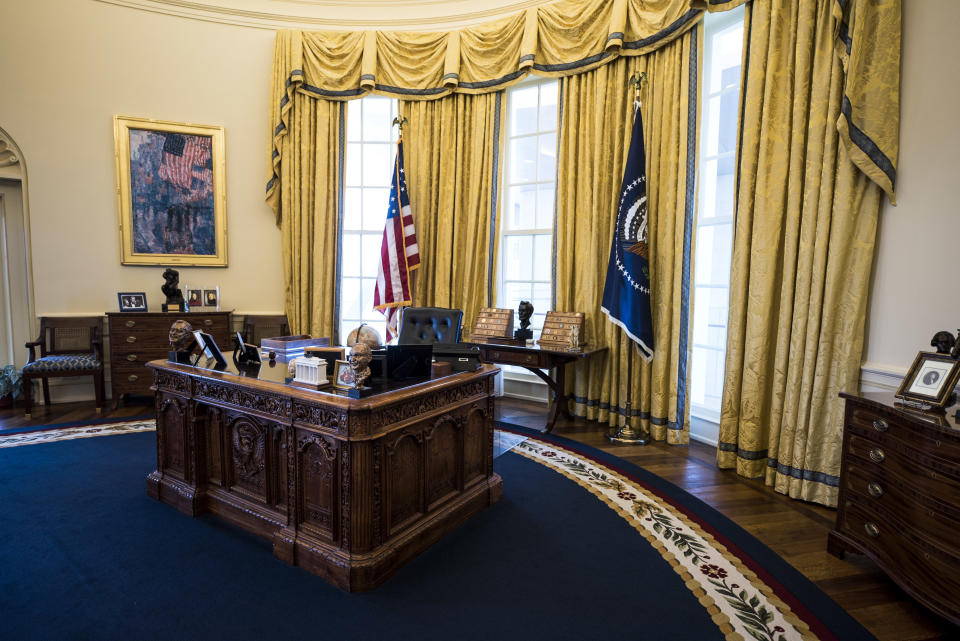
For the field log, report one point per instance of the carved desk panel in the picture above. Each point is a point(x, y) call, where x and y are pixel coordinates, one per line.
point(349, 489)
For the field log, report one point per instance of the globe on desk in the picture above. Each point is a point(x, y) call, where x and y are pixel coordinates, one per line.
point(364, 334)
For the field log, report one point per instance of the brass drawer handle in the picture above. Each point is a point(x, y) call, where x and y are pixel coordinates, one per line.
point(207, 322)
point(872, 529)
point(131, 357)
point(131, 339)
point(877, 455)
point(875, 490)
point(880, 425)
point(131, 323)
point(529, 358)
point(132, 377)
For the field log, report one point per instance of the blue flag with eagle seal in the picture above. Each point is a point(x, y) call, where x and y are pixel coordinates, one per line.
point(626, 292)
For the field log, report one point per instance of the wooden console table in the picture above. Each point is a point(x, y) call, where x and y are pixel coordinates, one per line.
point(536, 360)
point(139, 337)
point(348, 489)
point(899, 501)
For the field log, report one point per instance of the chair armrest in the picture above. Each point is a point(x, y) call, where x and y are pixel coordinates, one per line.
point(31, 346)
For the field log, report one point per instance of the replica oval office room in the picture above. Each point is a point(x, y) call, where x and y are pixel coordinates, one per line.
point(479, 319)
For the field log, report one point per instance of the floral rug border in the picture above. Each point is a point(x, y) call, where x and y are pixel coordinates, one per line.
point(70, 433)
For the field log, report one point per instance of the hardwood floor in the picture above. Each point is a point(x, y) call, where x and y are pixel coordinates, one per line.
point(795, 530)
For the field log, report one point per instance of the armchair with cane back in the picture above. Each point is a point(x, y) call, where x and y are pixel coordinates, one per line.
point(69, 346)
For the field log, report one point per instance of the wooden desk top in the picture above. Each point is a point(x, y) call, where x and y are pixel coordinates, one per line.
point(585, 352)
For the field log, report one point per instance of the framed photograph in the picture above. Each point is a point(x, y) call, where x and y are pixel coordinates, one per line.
point(211, 298)
point(172, 193)
point(132, 301)
point(931, 379)
point(343, 376)
point(194, 298)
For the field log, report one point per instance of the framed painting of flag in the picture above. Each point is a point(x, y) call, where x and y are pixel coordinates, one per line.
point(171, 193)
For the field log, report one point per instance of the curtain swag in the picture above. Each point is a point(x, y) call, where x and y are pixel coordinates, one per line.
point(554, 39)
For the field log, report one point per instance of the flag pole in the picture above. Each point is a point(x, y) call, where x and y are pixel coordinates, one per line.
point(625, 433)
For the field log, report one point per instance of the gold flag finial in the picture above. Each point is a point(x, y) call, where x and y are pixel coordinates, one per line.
point(400, 121)
point(636, 81)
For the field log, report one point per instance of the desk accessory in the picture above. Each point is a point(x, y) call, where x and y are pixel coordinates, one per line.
point(524, 312)
point(209, 348)
point(562, 330)
point(310, 373)
point(492, 322)
point(171, 289)
point(245, 354)
point(182, 342)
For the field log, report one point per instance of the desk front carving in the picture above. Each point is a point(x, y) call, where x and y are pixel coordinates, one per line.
point(349, 489)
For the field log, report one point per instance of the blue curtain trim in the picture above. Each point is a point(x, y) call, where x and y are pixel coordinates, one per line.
point(317, 91)
point(867, 145)
point(566, 66)
point(782, 468)
point(676, 25)
point(621, 411)
point(690, 199)
point(494, 195)
point(496, 81)
point(282, 126)
point(341, 153)
point(556, 181)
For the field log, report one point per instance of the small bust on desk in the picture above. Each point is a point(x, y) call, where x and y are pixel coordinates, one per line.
point(360, 357)
point(181, 341)
point(524, 312)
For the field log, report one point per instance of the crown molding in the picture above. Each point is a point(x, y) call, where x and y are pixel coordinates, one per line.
point(273, 20)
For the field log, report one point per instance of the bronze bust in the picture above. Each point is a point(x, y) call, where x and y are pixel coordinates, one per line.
point(171, 288)
point(181, 336)
point(360, 357)
point(943, 342)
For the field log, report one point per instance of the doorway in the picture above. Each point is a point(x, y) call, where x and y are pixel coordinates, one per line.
point(16, 300)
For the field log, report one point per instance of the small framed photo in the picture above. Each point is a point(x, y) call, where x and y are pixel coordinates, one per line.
point(931, 379)
point(211, 299)
point(343, 376)
point(195, 298)
point(132, 301)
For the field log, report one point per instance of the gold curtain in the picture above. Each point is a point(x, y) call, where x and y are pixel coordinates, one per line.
point(597, 114)
point(804, 242)
point(451, 155)
point(308, 197)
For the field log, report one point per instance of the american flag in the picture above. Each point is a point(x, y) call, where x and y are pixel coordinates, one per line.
point(185, 157)
point(399, 253)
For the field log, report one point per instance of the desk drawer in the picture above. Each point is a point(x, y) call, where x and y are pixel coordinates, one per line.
point(517, 358)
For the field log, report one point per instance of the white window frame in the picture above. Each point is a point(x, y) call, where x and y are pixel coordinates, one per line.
point(517, 373)
point(713, 24)
point(373, 318)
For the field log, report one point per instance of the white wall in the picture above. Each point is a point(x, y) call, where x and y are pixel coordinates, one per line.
point(68, 67)
point(916, 283)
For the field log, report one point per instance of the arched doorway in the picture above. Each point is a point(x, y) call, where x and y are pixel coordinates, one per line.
point(16, 272)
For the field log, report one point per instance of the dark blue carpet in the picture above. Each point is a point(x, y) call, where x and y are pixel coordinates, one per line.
point(85, 554)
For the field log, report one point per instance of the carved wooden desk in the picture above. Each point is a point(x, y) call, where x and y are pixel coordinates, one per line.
point(349, 489)
point(536, 359)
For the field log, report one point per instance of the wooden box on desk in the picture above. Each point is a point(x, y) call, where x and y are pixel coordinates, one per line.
point(562, 330)
point(492, 321)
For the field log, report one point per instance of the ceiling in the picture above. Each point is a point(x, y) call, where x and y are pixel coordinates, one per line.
point(335, 14)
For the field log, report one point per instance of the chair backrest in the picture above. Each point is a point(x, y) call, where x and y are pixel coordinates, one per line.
point(71, 334)
point(421, 325)
point(256, 328)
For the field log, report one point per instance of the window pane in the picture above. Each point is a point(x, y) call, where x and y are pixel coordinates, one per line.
point(725, 70)
point(710, 316)
point(377, 160)
point(376, 119)
point(375, 208)
point(371, 255)
point(516, 292)
point(542, 256)
point(352, 176)
point(523, 111)
point(517, 251)
point(350, 298)
point(350, 255)
point(369, 313)
point(728, 116)
point(354, 120)
point(541, 297)
point(545, 206)
point(523, 160)
point(352, 205)
point(521, 207)
point(548, 157)
point(713, 254)
point(548, 106)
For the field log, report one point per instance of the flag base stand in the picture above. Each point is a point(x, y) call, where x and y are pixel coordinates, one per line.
point(626, 434)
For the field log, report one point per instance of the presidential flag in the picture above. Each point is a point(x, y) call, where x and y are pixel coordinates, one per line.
point(399, 254)
point(626, 293)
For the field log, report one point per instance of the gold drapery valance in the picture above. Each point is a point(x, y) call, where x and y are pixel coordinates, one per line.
point(555, 39)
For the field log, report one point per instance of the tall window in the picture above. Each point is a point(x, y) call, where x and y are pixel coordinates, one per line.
point(723, 36)
point(529, 188)
point(371, 147)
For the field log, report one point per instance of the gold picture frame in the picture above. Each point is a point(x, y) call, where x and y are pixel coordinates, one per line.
point(171, 193)
point(930, 380)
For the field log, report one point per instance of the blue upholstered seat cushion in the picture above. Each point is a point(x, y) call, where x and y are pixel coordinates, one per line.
point(62, 363)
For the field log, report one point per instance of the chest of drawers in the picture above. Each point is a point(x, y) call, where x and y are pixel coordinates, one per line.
point(139, 337)
point(899, 499)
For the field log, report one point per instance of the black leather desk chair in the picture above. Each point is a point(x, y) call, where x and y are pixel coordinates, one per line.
point(425, 325)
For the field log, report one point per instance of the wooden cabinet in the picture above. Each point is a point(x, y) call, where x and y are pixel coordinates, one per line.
point(138, 337)
point(899, 500)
